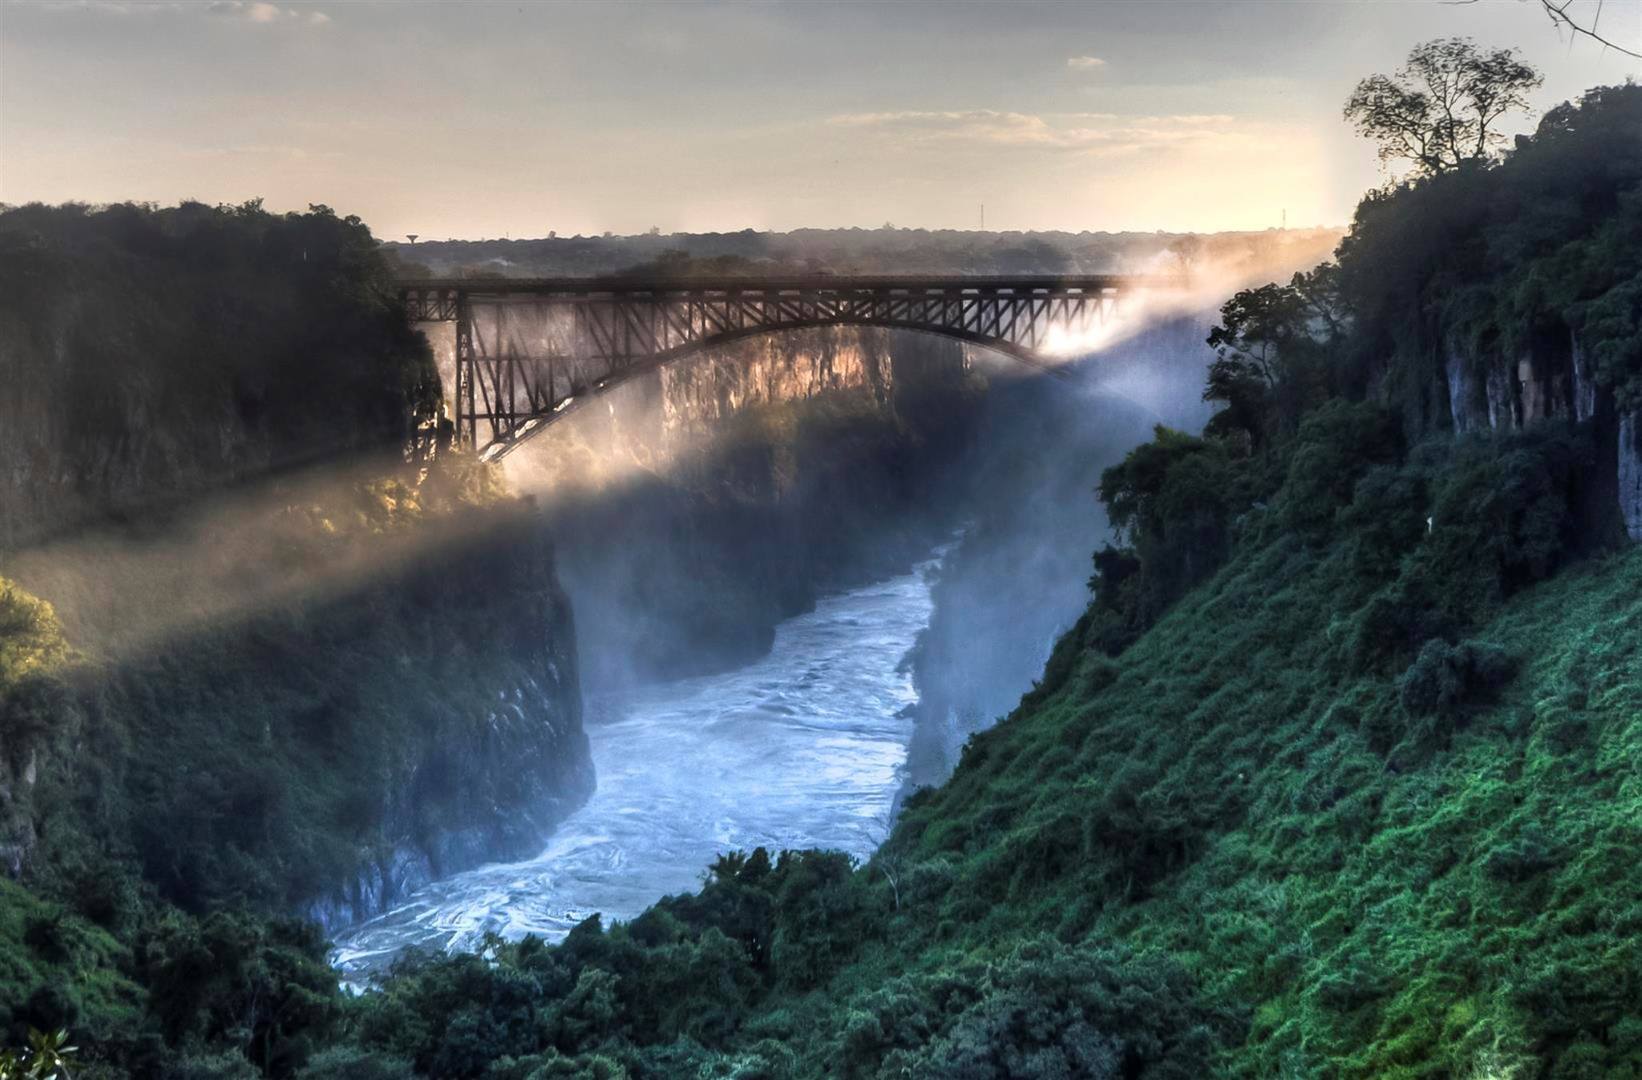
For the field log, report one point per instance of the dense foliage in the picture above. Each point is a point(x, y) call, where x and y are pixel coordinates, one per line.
point(280, 335)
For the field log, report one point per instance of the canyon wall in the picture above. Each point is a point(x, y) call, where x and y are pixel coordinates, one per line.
point(1550, 377)
point(293, 669)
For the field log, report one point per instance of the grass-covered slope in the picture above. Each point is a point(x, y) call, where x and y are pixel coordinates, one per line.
point(1430, 873)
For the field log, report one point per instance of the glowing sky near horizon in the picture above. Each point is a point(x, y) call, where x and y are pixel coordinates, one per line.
point(513, 119)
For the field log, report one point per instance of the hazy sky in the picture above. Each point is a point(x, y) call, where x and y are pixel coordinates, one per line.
point(481, 120)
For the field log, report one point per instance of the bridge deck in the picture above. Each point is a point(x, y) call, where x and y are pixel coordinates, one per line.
point(921, 283)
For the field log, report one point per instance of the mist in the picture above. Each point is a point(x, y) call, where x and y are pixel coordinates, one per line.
point(695, 509)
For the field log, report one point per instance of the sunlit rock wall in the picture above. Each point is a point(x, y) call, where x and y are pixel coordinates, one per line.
point(662, 424)
point(775, 368)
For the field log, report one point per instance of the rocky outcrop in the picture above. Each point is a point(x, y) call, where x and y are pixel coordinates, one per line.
point(1586, 393)
point(1551, 378)
point(1489, 389)
point(1630, 473)
point(498, 756)
point(522, 773)
point(1484, 390)
point(1463, 391)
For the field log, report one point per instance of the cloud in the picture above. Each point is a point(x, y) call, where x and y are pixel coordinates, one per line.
point(262, 150)
point(1085, 63)
point(1186, 118)
point(1100, 134)
point(113, 7)
point(260, 11)
point(978, 125)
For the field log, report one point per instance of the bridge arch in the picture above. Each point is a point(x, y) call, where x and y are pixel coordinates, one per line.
point(531, 351)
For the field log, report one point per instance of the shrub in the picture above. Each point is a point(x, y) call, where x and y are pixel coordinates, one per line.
point(352, 1063)
point(1045, 1010)
point(1444, 679)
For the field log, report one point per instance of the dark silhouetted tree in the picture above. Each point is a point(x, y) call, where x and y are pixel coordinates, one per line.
point(1441, 108)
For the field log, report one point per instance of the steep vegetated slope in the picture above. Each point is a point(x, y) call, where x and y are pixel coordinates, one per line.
point(280, 690)
point(1334, 778)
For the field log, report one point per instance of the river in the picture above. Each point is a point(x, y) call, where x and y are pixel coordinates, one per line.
point(802, 749)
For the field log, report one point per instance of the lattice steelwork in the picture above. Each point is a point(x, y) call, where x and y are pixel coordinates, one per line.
point(529, 350)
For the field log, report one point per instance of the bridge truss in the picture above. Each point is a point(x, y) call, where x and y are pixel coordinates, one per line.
point(530, 350)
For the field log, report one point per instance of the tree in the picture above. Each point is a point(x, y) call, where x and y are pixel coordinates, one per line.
point(1270, 346)
point(1256, 326)
point(1440, 109)
point(1186, 251)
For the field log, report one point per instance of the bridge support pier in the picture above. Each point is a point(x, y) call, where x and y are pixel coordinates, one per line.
point(466, 434)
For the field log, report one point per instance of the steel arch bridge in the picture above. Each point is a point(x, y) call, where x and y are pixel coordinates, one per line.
point(530, 350)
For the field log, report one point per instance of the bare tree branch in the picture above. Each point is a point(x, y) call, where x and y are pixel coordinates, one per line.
point(1561, 18)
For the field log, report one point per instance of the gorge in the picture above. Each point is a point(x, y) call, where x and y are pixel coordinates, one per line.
point(769, 717)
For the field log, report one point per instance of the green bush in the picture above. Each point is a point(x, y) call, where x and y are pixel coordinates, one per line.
point(1445, 678)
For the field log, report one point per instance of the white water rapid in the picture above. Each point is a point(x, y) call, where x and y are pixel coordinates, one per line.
point(802, 749)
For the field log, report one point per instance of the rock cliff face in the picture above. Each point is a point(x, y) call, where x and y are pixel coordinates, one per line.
point(779, 368)
point(1489, 388)
point(312, 676)
point(1630, 474)
point(675, 421)
point(319, 752)
point(1550, 379)
point(484, 777)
